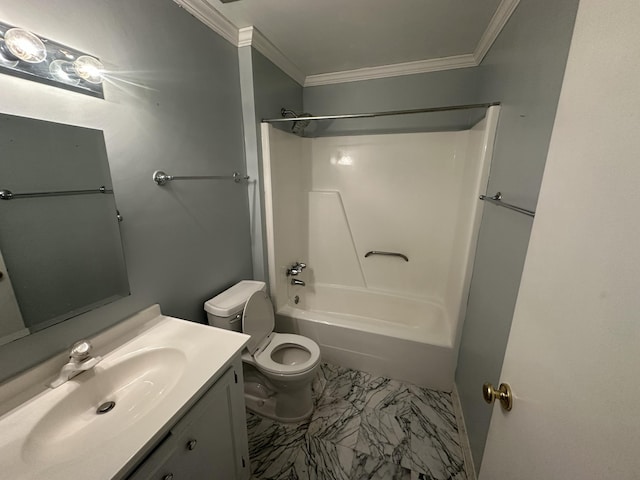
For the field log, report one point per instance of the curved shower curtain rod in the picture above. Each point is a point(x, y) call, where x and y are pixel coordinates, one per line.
point(387, 113)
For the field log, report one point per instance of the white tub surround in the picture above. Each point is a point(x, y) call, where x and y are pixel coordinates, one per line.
point(331, 200)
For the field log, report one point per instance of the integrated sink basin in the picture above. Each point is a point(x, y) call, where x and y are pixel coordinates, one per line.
point(95, 425)
point(131, 387)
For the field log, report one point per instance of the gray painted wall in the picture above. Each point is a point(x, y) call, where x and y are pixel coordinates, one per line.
point(265, 90)
point(274, 89)
point(174, 105)
point(253, 162)
point(452, 87)
point(523, 71)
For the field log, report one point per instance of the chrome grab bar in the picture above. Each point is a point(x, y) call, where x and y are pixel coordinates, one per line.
point(389, 254)
point(497, 200)
point(9, 195)
point(162, 178)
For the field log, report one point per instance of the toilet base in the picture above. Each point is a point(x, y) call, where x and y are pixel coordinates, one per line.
point(266, 407)
point(287, 405)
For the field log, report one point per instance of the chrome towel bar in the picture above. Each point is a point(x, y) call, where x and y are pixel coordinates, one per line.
point(497, 200)
point(389, 254)
point(9, 195)
point(162, 178)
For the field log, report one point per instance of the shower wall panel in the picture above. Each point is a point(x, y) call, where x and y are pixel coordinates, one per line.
point(335, 258)
point(396, 192)
point(473, 182)
point(287, 176)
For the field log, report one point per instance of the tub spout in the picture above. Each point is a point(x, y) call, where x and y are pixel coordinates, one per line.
point(295, 281)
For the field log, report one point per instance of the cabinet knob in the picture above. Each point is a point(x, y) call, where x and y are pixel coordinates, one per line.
point(168, 476)
point(192, 444)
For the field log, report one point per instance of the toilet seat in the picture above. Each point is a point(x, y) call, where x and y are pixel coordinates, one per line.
point(258, 320)
point(265, 361)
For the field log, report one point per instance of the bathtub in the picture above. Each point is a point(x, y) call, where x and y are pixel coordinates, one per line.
point(399, 337)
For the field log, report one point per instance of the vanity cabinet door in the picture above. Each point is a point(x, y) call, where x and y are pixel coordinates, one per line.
point(207, 443)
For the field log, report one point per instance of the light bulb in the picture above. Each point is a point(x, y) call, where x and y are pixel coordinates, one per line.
point(89, 69)
point(6, 58)
point(24, 45)
point(63, 71)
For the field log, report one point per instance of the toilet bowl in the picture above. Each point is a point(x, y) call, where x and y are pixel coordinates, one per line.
point(278, 367)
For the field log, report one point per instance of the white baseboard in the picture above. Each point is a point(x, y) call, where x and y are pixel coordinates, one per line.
point(464, 438)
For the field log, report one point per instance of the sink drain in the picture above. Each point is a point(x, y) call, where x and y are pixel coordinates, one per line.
point(105, 407)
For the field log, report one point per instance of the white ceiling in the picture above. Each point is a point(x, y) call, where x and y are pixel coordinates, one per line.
point(320, 37)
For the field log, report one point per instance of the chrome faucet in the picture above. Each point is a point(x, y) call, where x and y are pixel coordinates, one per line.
point(296, 269)
point(295, 281)
point(80, 359)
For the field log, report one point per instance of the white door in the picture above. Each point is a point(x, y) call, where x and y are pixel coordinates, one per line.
point(573, 358)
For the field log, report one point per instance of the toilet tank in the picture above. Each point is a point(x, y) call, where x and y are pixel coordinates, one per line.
point(225, 309)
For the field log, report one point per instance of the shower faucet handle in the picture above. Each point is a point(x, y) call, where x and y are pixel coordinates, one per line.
point(296, 269)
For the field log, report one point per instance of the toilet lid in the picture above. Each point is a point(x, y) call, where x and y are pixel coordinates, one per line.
point(257, 319)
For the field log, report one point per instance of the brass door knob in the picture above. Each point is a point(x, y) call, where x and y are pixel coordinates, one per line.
point(503, 394)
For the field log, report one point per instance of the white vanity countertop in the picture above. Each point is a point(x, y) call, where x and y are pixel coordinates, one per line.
point(152, 371)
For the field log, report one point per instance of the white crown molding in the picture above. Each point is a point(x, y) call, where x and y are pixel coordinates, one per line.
point(203, 11)
point(245, 36)
point(395, 70)
point(252, 36)
point(497, 23)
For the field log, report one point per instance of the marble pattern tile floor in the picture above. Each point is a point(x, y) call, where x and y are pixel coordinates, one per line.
point(363, 427)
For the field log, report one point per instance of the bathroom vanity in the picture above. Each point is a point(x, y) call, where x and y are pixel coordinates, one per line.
point(164, 402)
point(209, 441)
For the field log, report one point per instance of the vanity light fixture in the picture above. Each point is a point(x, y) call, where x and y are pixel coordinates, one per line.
point(30, 56)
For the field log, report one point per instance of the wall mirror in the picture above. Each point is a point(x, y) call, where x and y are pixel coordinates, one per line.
point(60, 247)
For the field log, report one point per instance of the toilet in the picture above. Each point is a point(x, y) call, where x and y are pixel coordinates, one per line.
point(278, 367)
